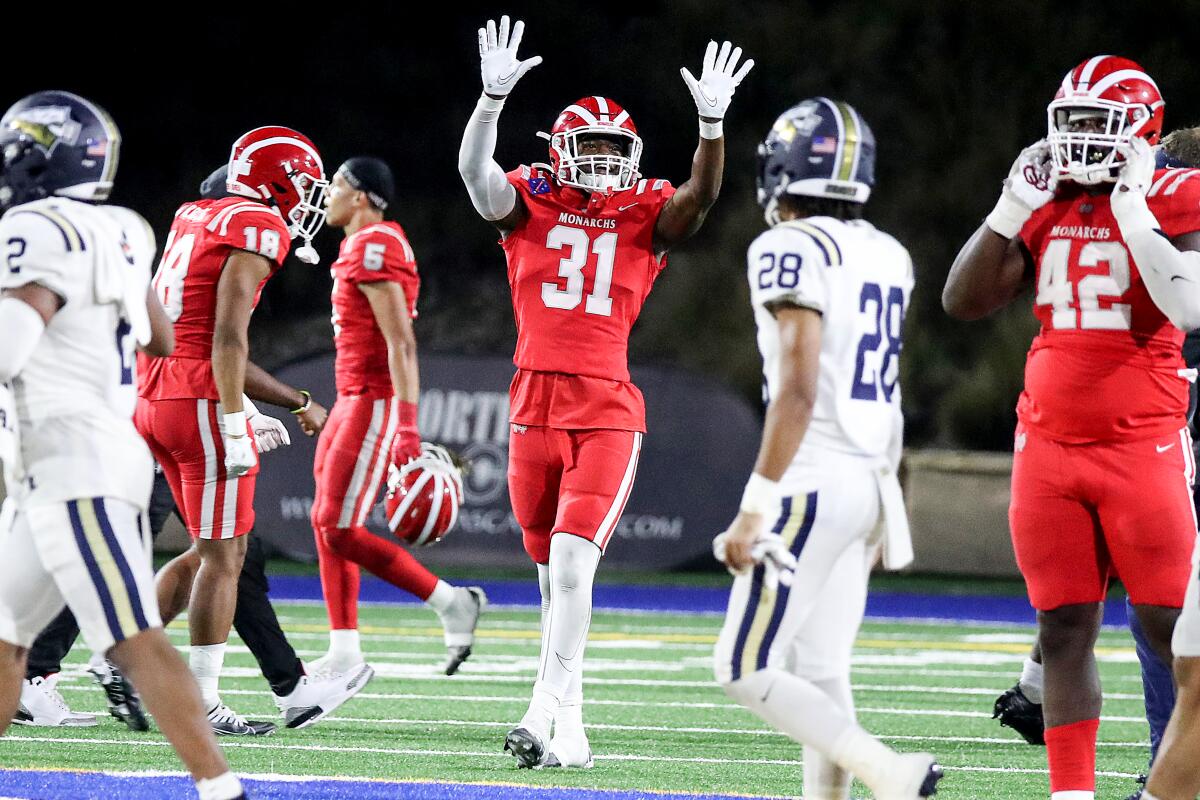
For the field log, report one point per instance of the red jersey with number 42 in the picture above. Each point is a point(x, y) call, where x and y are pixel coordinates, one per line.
point(202, 237)
point(378, 252)
point(580, 268)
point(1106, 365)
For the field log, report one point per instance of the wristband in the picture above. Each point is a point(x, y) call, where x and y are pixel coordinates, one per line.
point(1008, 217)
point(235, 422)
point(408, 414)
point(307, 402)
point(761, 495)
point(489, 107)
point(710, 130)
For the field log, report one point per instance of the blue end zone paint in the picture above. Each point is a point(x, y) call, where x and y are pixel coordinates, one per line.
point(695, 599)
point(38, 785)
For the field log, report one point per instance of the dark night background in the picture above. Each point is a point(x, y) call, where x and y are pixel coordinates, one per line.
point(952, 90)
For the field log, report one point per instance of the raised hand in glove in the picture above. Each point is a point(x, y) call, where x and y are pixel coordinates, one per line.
point(498, 60)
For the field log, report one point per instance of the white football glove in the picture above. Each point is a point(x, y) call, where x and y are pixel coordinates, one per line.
point(1030, 184)
point(714, 91)
point(269, 433)
point(768, 549)
point(239, 455)
point(498, 60)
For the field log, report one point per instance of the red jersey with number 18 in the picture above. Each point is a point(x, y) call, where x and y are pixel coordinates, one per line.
point(580, 268)
point(202, 236)
point(378, 252)
point(1106, 365)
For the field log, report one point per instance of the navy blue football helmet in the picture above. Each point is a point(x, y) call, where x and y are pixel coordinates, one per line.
point(818, 148)
point(57, 143)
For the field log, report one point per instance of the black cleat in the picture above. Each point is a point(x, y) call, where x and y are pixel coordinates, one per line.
point(123, 701)
point(225, 722)
point(1141, 781)
point(527, 747)
point(455, 657)
point(1016, 711)
point(929, 787)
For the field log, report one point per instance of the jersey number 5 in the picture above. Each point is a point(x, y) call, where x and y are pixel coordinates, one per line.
point(1078, 306)
point(570, 268)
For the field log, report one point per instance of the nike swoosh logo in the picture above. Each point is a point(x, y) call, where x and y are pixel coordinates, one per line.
point(710, 99)
point(1180, 278)
point(1163, 449)
point(563, 662)
point(626, 208)
point(507, 77)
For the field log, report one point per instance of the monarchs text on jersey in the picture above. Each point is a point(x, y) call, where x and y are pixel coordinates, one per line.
point(1106, 364)
point(202, 237)
point(859, 279)
point(580, 268)
point(378, 252)
point(74, 398)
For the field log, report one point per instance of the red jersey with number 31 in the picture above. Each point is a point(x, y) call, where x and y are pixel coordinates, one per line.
point(580, 268)
point(1106, 365)
point(202, 237)
point(378, 252)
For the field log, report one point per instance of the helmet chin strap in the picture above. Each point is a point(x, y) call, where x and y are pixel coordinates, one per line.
point(308, 254)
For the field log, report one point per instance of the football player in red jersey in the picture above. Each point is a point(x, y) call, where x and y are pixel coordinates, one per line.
point(217, 258)
point(374, 420)
point(1103, 459)
point(585, 236)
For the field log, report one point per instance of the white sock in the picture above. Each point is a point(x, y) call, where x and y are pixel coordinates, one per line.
point(572, 568)
point(823, 778)
point(1031, 682)
point(442, 597)
point(222, 787)
point(1147, 796)
point(345, 641)
point(1079, 794)
point(205, 661)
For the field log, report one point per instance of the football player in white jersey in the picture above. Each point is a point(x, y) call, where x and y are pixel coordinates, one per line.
point(830, 293)
point(74, 304)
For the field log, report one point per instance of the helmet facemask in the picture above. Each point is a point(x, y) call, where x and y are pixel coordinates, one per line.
point(306, 217)
point(607, 172)
point(1090, 157)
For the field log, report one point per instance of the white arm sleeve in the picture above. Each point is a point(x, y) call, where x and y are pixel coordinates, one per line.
point(1172, 276)
point(491, 193)
point(20, 327)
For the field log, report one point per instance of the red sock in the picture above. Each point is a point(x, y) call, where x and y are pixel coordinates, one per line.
point(339, 583)
point(385, 559)
point(1071, 751)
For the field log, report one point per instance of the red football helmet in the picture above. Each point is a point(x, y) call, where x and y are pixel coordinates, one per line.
point(594, 117)
point(1119, 100)
point(424, 496)
point(281, 166)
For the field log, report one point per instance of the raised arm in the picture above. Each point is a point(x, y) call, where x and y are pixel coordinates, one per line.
point(991, 269)
point(492, 195)
point(1170, 268)
point(684, 213)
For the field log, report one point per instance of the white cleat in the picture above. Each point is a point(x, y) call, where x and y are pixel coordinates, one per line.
point(527, 746)
point(569, 751)
point(41, 706)
point(915, 777)
point(459, 623)
point(335, 663)
point(317, 696)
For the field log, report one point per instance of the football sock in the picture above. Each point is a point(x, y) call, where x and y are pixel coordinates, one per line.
point(340, 579)
point(823, 778)
point(345, 641)
point(1147, 796)
point(442, 597)
point(1071, 753)
point(222, 787)
point(382, 558)
point(572, 568)
point(205, 662)
point(1031, 680)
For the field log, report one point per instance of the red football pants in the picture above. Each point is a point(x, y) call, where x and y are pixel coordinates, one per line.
point(185, 438)
point(1081, 514)
point(569, 481)
point(349, 468)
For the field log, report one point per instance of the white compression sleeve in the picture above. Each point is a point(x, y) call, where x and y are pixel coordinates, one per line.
point(1172, 276)
point(491, 193)
point(20, 328)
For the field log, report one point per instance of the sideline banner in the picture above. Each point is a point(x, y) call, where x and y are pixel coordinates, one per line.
point(701, 442)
